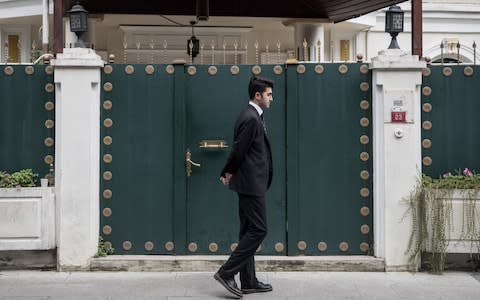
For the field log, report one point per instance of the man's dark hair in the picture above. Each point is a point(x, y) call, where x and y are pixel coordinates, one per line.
point(258, 85)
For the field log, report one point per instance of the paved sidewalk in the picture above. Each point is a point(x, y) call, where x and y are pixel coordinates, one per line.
point(201, 285)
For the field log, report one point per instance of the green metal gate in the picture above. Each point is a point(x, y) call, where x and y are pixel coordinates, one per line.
point(155, 116)
point(450, 130)
point(27, 116)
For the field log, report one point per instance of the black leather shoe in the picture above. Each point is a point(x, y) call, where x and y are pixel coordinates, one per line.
point(230, 285)
point(260, 287)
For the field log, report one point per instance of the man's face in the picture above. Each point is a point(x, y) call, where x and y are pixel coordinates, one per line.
point(263, 100)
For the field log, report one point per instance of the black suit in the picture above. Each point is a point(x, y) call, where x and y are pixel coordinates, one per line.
point(250, 163)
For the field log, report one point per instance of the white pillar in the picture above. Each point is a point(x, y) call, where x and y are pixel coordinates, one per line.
point(397, 80)
point(45, 25)
point(311, 33)
point(77, 132)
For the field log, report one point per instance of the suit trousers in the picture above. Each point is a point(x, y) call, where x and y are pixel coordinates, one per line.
point(253, 229)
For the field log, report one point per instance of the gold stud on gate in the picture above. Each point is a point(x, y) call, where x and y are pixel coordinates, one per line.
point(213, 247)
point(107, 175)
point(233, 246)
point(49, 124)
point(49, 106)
point(427, 107)
point(169, 246)
point(301, 69)
point(343, 69)
point(278, 70)
point(49, 70)
point(364, 140)
point(129, 69)
point(426, 91)
point(29, 70)
point(170, 69)
point(127, 245)
point(302, 245)
point(256, 70)
point(365, 229)
point(364, 156)
point(364, 192)
point(468, 71)
point(108, 122)
point(108, 69)
point(427, 161)
point(364, 122)
point(322, 246)
point(48, 159)
point(426, 144)
point(107, 229)
point(107, 158)
point(319, 69)
point(364, 175)
point(426, 72)
point(191, 70)
point(107, 194)
point(192, 247)
point(364, 86)
point(107, 212)
point(49, 87)
point(234, 70)
point(343, 246)
point(107, 86)
point(107, 140)
point(427, 125)
point(364, 104)
point(107, 104)
point(8, 71)
point(364, 69)
point(447, 71)
point(279, 247)
point(108, 245)
point(148, 246)
point(364, 211)
point(364, 247)
point(149, 69)
point(48, 142)
point(212, 70)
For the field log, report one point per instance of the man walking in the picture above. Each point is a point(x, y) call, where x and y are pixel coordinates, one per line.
point(248, 171)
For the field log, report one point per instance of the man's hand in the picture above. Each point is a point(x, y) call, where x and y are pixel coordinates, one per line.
point(226, 179)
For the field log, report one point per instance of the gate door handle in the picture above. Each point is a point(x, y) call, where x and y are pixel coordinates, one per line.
point(189, 163)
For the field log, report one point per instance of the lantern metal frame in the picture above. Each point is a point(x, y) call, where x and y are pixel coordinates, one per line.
point(394, 20)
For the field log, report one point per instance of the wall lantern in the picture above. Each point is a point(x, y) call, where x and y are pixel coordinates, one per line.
point(78, 23)
point(193, 44)
point(394, 24)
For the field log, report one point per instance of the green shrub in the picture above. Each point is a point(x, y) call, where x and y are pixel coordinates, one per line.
point(22, 178)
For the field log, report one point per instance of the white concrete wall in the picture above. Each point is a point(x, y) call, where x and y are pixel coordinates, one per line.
point(77, 114)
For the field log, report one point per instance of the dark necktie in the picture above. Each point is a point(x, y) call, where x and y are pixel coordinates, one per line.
point(263, 122)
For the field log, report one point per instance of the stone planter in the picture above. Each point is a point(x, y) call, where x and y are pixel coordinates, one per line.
point(27, 218)
point(462, 214)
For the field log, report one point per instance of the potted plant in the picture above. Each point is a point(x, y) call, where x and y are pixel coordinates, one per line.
point(445, 217)
point(22, 178)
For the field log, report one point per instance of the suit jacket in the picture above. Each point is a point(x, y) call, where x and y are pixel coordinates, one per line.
point(250, 160)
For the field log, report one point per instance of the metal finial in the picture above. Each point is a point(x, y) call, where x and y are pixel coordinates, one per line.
point(165, 44)
point(256, 51)
point(235, 46)
point(190, 45)
point(246, 52)
point(202, 45)
point(138, 44)
point(152, 47)
point(305, 45)
point(213, 52)
point(278, 50)
point(267, 46)
point(319, 55)
point(224, 45)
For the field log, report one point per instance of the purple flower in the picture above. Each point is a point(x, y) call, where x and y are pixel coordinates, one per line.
point(467, 172)
point(447, 175)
